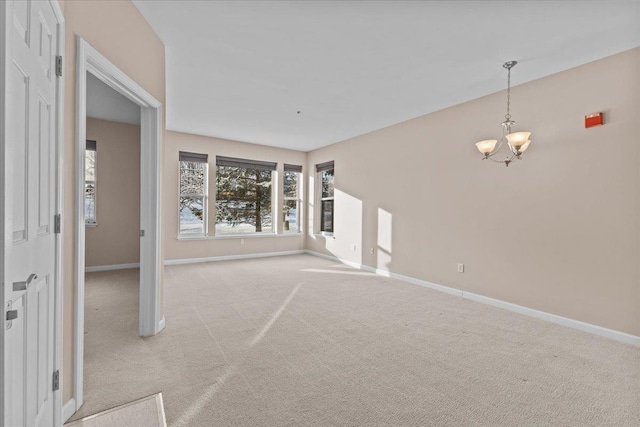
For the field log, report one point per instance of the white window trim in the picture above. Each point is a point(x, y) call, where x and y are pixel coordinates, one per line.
point(275, 201)
point(205, 202)
point(238, 236)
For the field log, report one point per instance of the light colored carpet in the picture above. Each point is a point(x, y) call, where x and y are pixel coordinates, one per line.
point(302, 340)
point(145, 412)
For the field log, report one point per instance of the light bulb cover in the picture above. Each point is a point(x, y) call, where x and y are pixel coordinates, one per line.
point(518, 139)
point(524, 146)
point(486, 146)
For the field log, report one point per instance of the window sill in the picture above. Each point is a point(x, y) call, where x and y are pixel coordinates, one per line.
point(239, 236)
point(192, 237)
point(325, 235)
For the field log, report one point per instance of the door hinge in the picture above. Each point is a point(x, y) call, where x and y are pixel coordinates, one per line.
point(141, 233)
point(56, 224)
point(56, 380)
point(59, 66)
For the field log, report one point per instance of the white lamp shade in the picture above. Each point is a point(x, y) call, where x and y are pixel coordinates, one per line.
point(524, 146)
point(518, 139)
point(486, 146)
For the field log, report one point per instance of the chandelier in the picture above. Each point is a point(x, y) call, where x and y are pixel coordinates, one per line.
point(518, 142)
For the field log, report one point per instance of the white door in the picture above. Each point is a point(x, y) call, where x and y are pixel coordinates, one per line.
point(29, 276)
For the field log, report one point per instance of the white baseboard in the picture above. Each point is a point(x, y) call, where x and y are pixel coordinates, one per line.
point(231, 257)
point(68, 409)
point(553, 318)
point(111, 267)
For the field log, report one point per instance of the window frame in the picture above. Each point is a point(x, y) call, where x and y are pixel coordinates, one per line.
point(297, 199)
point(91, 143)
point(249, 164)
point(320, 199)
point(205, 198)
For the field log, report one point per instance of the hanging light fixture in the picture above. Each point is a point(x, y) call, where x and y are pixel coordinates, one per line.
point(518, 142)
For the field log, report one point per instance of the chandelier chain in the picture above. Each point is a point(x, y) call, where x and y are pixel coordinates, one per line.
point(508, 115)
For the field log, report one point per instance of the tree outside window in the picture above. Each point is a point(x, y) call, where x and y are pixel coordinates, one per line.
point(292, 198)
point(90, 183)
point(243, 199)
point(193, 194)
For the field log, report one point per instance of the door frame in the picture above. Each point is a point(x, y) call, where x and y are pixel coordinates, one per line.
point(88, 59)
point(59, 168)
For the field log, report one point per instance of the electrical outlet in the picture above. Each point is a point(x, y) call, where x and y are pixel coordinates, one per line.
point(242, 241)
point(460, 268)
point(353, 248)
point(372, 251)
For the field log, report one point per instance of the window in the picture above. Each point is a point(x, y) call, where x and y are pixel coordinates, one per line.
point(243, 196)
point(325, 172)
point(90, 183)
point(292, 198)
point(193, 193)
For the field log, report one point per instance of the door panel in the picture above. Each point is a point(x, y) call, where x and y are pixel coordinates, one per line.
point(43, 311)
point(18, 132)
point(45, 47)
point(30, 193)
point(45, 188)
point(21, 20)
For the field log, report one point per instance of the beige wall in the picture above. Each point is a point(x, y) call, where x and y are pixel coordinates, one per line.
point(558, 231)
point(115, 239)
point(213, 247)
point(120, 32)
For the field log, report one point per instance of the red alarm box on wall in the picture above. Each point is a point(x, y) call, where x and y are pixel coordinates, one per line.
point(591, 120)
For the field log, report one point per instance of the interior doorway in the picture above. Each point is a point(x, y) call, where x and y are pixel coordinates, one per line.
point(112, 242)
point(90, 61)
point(112, 180)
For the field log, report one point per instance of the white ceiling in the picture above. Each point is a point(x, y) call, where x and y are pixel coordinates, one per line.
point(242, 69)
point(105, 103)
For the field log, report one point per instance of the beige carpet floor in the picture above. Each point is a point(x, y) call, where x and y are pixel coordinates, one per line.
point(303, 341)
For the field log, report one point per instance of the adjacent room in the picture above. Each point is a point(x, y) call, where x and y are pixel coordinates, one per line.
point(112, 224)
point(319, 213)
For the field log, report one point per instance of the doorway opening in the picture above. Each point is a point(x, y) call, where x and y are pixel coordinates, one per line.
point(112, 241)
point(112, 180)
point(91, 63)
